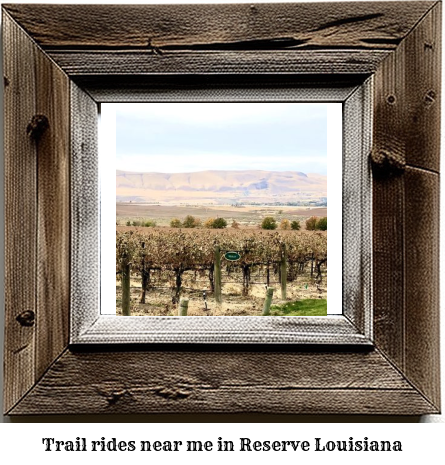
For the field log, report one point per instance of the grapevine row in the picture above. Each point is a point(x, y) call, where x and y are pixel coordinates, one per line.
point(177, 251)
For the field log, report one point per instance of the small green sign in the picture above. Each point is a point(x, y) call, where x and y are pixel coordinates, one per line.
point(232, 256)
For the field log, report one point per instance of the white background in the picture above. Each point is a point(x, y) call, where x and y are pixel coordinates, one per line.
point(20, 442)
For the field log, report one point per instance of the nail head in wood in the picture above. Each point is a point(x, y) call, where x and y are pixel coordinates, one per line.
point(26, 318)
point(37, 126)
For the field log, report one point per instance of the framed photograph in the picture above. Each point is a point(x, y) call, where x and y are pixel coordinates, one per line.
point(194, 249)
point(223, 205)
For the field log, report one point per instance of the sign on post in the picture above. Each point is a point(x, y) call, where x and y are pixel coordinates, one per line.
point(232, 256)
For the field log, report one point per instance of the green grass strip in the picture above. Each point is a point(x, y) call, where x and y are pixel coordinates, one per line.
point(306, 307)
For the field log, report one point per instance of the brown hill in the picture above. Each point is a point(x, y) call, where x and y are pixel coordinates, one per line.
point(221, 187)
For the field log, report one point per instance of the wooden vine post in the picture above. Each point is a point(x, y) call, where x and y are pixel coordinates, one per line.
point(178, 285)
point(268, 301)
point(217, 274)
point(283, 270)
point(183, 307)
point(145, 276)
point(125, 280)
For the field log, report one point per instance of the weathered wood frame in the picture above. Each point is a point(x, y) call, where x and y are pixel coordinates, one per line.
point(93, 53)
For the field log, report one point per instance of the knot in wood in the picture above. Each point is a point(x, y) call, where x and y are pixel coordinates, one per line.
point(387, 163)
point(172, 393)
point(115, 396)
point(37, 126)
point(26, 318)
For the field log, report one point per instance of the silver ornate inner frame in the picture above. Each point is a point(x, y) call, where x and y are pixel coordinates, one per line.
point(353, 326)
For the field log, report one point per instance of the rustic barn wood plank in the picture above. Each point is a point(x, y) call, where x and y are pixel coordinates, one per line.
point(238, 382)
point(422, 281)
point(423, 89)
point(388, 202)
point(342, 25)
point(406, 131)
point(53, 228)
point(20, 213)
point(78, 62)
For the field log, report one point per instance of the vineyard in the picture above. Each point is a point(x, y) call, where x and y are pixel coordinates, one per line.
point(156, 267)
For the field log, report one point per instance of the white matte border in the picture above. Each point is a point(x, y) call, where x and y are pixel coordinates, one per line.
point(335, 207)
point(107, 227)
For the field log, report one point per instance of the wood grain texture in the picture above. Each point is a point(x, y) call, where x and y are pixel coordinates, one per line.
point(261, 26)
point(84, 204)
point(334, 329)
point(423, 91)
point(389, 138)
point(406, 221)
point(20, 213)
point(223, 382)
point(218, 87)
point(37, 215)
point(78, 63)
point(422, 281)
point(388, 268)
point(357, 208)
point(53, 200)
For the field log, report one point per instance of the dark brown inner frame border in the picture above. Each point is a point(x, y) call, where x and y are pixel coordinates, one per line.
point(100, 47)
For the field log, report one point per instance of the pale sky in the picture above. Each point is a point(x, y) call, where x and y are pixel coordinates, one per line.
point(187, 137)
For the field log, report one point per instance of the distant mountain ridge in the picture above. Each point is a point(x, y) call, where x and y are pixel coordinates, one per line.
point(220, 187)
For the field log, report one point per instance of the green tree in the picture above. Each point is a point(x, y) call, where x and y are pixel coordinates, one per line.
point(190, 222)
point(295, 225)
point(311, 223)
point(322, 224)
point(175, 223)
point(219, 223)
point(269, 223)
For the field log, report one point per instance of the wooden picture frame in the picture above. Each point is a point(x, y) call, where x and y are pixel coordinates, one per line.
point(56, 70)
